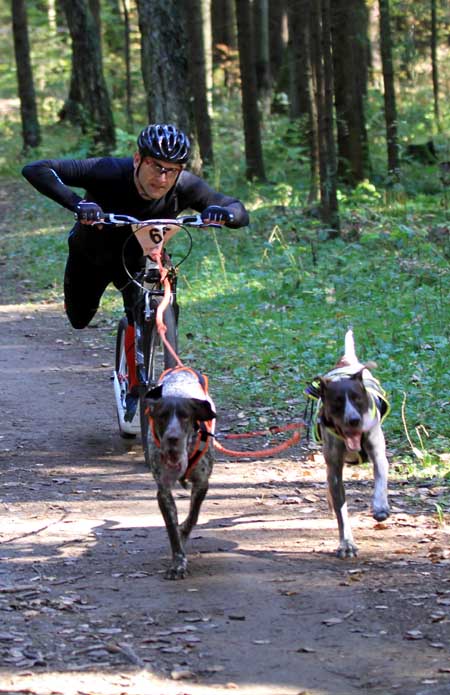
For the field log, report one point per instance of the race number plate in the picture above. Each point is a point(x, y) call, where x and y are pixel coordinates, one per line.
point(153, 237)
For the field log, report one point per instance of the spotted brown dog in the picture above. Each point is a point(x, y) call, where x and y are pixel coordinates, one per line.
point(181, 415)
point(351, 406)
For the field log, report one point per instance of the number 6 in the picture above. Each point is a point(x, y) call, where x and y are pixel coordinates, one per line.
point(156, 235)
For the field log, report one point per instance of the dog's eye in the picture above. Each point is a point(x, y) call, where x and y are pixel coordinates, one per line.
point(164, 419)
point(338, 400)
point(357, 397)
point(183, 415)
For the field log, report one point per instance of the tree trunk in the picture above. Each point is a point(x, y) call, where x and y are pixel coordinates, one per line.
point(72, 109)
point(127, 57)
point(208, 51)
point(252, 129)
point(224, 40)
point(277, 39)
point(262, 59)
point(30, 124)
point(390, 108)
point(223, 22)
point(303, 103)
point(97, 119)
point(164, 62)
point(94, 6)
point(197, 77)
point(434, 64)
point(349, 36)
point(324, 77)
point(299, 57)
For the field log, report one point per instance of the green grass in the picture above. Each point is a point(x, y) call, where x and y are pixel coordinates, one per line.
point(265, 309)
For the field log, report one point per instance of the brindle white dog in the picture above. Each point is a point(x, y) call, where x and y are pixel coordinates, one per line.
point(181, 416)
point(352, 407)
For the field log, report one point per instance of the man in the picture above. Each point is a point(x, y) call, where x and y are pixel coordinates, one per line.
point(152, 184)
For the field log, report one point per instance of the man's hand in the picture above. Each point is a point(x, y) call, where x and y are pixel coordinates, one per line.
point(87, 213)
point(217, 215)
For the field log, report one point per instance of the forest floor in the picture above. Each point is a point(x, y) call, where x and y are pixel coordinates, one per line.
point(267, 608)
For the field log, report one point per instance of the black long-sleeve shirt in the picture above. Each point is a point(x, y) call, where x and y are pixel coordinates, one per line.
point(109, 182)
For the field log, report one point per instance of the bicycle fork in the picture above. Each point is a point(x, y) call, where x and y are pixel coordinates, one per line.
point(141, 372)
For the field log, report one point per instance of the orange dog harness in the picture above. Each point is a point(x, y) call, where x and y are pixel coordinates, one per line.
point(205, 429)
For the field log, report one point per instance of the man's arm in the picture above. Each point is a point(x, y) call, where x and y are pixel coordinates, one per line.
point(195, 193)
point(53, 178)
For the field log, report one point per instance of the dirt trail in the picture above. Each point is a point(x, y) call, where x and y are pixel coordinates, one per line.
point(266, 609)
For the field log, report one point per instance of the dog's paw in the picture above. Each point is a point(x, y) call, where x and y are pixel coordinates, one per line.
point(346, 549)
point(381, 513)
point(178, 569)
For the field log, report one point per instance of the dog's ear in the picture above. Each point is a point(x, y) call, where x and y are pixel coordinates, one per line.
point(323, 384)
point(155, 393)
point(202, 409)
point(358, 376)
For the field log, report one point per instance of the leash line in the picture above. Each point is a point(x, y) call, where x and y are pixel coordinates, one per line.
point(258, 453)
point(275, 429)
point(160, 325)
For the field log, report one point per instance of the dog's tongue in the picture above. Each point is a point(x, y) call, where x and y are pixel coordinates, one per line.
point(352, 441)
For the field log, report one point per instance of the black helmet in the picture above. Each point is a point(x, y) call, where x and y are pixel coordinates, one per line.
point(164, 142)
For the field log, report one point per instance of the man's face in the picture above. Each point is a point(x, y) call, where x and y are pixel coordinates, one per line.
point(154, 177)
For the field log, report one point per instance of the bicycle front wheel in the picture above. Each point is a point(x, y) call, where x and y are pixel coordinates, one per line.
point(121, 382)
point(157, 358)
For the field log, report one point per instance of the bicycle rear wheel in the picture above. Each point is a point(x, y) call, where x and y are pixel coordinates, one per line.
point(127, 429)
point(157, 358)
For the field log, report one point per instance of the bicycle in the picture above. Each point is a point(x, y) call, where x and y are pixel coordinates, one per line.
point(153, 354)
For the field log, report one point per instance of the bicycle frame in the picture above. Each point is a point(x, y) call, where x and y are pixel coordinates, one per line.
point(145, 313)
point(152, 235)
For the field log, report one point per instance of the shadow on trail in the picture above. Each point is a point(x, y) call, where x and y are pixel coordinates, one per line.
point(92, 598)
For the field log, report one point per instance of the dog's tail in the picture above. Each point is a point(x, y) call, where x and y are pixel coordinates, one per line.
point(349, 348)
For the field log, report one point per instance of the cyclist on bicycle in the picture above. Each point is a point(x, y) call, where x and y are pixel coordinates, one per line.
point(152, 184)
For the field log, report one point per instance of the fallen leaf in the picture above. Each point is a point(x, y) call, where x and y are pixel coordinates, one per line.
point(413, 634)
point(331, 621)
point(180, 674)
point(289, 593)
point(311, 498)
point(213, 669)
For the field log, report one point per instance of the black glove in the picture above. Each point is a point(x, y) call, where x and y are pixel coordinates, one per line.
point(215, 213)
point(88, 212)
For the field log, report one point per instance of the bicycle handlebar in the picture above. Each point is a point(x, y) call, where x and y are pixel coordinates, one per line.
point(154, 233)
point(187, 220)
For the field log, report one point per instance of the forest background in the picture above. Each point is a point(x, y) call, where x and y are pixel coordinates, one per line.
point(329, 119)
